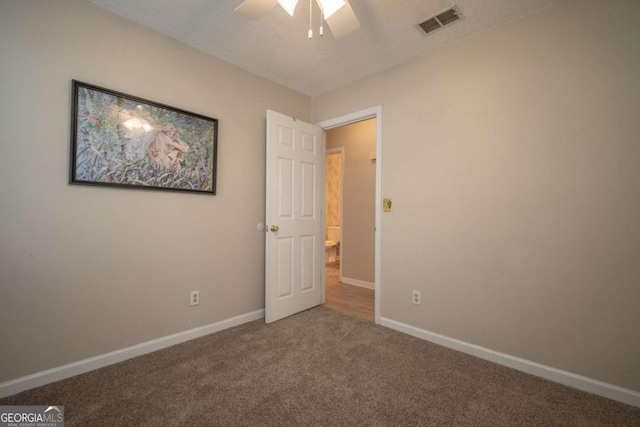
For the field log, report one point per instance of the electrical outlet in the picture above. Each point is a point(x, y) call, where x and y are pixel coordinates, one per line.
point(195, 298)
point(415, 298)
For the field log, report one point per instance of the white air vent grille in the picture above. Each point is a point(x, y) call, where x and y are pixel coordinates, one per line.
point(440, 20)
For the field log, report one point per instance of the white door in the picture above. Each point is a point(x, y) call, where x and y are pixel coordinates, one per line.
point(294, 224)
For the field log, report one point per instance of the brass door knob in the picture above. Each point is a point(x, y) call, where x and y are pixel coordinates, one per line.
point(274, 228)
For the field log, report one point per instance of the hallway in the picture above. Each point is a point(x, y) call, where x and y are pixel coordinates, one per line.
point(352, 300)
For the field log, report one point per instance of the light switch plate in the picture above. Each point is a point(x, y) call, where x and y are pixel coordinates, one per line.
point(386, 205)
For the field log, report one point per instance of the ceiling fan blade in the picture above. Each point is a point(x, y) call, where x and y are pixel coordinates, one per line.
point(343, 21)
point(255, 9)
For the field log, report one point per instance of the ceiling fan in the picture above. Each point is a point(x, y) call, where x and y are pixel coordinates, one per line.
point(337, 13)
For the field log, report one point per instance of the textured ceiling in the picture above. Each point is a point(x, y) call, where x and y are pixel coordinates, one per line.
point(276, 47)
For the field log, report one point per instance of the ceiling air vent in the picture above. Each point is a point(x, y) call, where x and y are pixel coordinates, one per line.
point(442, 19)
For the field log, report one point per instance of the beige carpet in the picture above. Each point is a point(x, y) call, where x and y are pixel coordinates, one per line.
point(319, 367)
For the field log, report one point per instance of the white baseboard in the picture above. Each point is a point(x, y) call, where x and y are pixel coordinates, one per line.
point(38, 379)
point(356, 282)
point(610, 391)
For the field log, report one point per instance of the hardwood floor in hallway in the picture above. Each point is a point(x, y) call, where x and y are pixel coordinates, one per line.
point(349, 299)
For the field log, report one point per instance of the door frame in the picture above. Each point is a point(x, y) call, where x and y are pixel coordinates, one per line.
point(369, 113)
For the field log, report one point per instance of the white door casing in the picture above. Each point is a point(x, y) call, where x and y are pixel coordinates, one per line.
point(294, 276)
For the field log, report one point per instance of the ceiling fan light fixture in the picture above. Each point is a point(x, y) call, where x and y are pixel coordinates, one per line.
point(329, 7)
point(337, 14)
point(288, 5)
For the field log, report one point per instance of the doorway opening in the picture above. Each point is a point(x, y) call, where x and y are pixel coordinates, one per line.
point(334, 184)
point(352, 216)
point(343, 292)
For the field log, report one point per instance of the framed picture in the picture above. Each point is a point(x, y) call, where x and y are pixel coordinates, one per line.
point(119, 140)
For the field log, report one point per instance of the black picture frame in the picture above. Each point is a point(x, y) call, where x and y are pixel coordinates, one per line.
point(120, 140)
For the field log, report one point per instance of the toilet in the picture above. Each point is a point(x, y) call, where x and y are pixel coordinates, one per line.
point(332, 244)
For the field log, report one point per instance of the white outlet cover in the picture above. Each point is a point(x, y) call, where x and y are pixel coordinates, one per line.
point(415, 297)
point(194, 298)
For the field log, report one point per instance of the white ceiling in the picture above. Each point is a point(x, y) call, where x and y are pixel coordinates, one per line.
point(277, 48)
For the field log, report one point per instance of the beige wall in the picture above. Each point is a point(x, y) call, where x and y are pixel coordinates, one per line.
point(358, 222)
point(88, 270)
point(512, 158)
